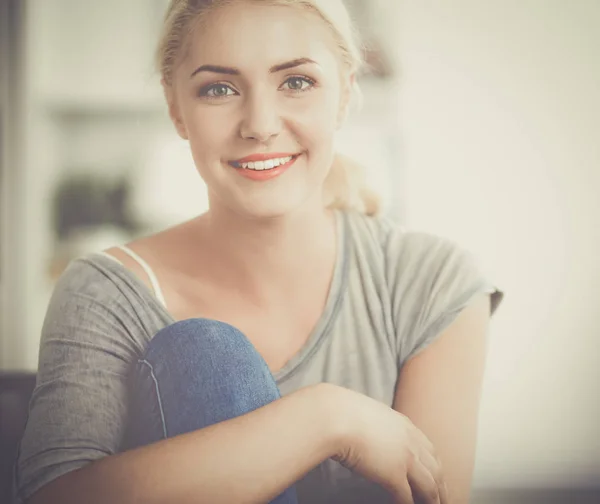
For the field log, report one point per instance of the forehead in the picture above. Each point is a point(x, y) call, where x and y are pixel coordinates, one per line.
point(248, 35)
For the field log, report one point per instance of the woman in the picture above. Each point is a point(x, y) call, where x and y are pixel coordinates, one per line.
point(286, 346)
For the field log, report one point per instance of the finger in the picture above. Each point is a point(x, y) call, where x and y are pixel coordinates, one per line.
point(444, 498)
point(402, 493)
point(433, 465)
point(423, 484)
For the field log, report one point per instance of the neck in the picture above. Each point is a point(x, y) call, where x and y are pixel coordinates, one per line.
point(265, 257)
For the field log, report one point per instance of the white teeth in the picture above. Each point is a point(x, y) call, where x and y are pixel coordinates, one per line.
point(266, 165)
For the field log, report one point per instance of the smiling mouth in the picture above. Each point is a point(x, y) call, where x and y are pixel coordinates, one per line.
point(268, 164)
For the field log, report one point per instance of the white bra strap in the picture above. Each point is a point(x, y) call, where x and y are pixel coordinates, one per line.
point(153, 280)
point(110, 257)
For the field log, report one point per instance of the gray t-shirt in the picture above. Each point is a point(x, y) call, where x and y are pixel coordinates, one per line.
point(393, 292)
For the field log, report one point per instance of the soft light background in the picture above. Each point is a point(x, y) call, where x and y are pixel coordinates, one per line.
point(491, 137)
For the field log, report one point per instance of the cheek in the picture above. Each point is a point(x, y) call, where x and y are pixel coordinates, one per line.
point(317, 122)
point(207, 132)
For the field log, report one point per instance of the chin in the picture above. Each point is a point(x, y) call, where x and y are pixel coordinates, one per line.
point(274, 208)
point(276, 205)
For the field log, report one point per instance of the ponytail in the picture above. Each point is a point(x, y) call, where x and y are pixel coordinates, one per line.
point(345, 187)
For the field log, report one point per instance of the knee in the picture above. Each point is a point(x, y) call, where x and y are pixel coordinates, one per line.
point(201, 372)
point(201, 342)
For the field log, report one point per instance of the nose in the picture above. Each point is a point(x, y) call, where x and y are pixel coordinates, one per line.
point(261, 120)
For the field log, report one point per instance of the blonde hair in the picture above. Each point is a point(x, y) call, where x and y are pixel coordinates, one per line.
point(345, 186)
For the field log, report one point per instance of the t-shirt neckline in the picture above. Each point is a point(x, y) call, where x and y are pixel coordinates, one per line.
point(323, 325)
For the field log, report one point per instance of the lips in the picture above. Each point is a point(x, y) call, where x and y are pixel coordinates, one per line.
point(263, 171)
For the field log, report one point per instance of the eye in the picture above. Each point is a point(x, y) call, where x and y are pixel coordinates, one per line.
point(296, 83)
point(216, 91)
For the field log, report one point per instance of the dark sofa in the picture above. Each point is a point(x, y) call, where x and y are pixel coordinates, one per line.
point(15, 392)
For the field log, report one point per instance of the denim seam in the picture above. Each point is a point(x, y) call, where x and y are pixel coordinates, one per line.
point(160, 406)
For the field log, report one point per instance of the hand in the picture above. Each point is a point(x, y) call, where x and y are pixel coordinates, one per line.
point(384, 446)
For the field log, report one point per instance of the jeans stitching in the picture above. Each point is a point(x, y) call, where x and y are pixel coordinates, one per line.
point(160, 406)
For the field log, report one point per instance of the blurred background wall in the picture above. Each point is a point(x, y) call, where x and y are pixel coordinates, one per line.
point(481, 123)
point(501, 115)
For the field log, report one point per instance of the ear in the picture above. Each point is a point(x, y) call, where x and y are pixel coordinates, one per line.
point(348, 85)
point(174, 112)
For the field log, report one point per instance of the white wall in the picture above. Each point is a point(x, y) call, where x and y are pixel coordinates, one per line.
point(501, 119)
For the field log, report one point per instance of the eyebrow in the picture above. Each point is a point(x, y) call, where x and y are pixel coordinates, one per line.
point(235, 71)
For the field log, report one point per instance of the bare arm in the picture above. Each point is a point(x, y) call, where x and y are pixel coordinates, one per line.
point(248, 459)
point(439, 390)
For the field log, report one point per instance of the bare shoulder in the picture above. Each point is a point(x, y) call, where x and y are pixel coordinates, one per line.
point(157, 250)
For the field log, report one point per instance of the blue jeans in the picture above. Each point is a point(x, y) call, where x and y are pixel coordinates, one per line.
point(196, 373)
